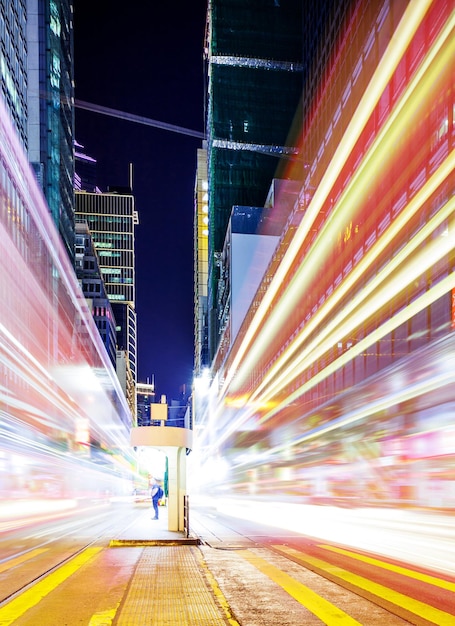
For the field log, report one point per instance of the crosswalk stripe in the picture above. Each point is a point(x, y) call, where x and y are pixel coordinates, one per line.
point(319, 606)
point(105, 618)
point(21, 559)
point(28, 599)
point(385, 595)
point(432, 580)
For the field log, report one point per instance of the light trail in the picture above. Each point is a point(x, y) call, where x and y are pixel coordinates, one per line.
point(357, 187)
point(285, 372)
point(412, 17)
point(63, 432)
point(421, 84)
point(317, 321)
point(315, 350)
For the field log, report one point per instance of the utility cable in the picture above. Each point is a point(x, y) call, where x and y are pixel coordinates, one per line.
point(139, 119)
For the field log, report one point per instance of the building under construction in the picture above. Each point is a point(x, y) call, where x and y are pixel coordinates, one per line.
point(254, 84)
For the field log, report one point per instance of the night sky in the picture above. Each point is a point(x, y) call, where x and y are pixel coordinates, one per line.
point(147, 59)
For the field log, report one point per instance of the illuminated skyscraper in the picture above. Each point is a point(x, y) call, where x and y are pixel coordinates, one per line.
point(93, 287)
point(37, 84)
point(111, 218)
point(50, 101)
point(13, 63)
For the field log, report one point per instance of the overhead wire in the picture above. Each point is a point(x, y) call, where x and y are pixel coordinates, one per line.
point(139, 119)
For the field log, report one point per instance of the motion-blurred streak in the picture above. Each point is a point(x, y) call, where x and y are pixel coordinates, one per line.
point(339, 387)
point(64, 421)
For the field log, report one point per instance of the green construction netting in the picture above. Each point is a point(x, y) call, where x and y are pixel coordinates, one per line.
point(269, 29)
point(253, 105)
point(236, 178)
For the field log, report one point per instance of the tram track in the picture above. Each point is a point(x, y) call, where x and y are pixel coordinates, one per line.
point(59, 541)
point(43, 575)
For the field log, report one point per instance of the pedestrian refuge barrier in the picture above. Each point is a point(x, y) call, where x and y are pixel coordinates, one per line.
point(186, 515)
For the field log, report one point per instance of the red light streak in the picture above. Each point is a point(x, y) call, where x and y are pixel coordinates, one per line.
point(362, 280)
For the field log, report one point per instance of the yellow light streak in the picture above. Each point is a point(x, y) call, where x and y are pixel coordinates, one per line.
point(405, 314)
point(268, 387)
point(433, 294)
point(435, 251)
point(358, 186)
point(412, 17)
point(365, 411)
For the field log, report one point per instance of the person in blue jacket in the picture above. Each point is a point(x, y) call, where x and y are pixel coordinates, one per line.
point(157, 494)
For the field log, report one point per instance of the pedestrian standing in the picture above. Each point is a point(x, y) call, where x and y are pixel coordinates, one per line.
point(157, 494)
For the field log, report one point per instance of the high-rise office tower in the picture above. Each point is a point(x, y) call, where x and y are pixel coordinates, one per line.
point(13, 63)
point(36, 79)
point(254, 84)
point(111, 218)
point(50, 100)
point(89, 275)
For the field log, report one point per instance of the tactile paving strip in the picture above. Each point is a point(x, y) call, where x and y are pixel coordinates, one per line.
point(169, 589)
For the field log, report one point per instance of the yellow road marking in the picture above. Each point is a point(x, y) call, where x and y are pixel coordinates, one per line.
point(104, 618)
point(17, 607)
point(432, 580)
point(385, 594)
point(217, 591)
point(21, 559)
point(319, 606)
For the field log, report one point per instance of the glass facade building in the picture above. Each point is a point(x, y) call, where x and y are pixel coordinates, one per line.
point(111, 218)
point(37, 85)
point(93, 287)
point(51, 108)
point(13, 63)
